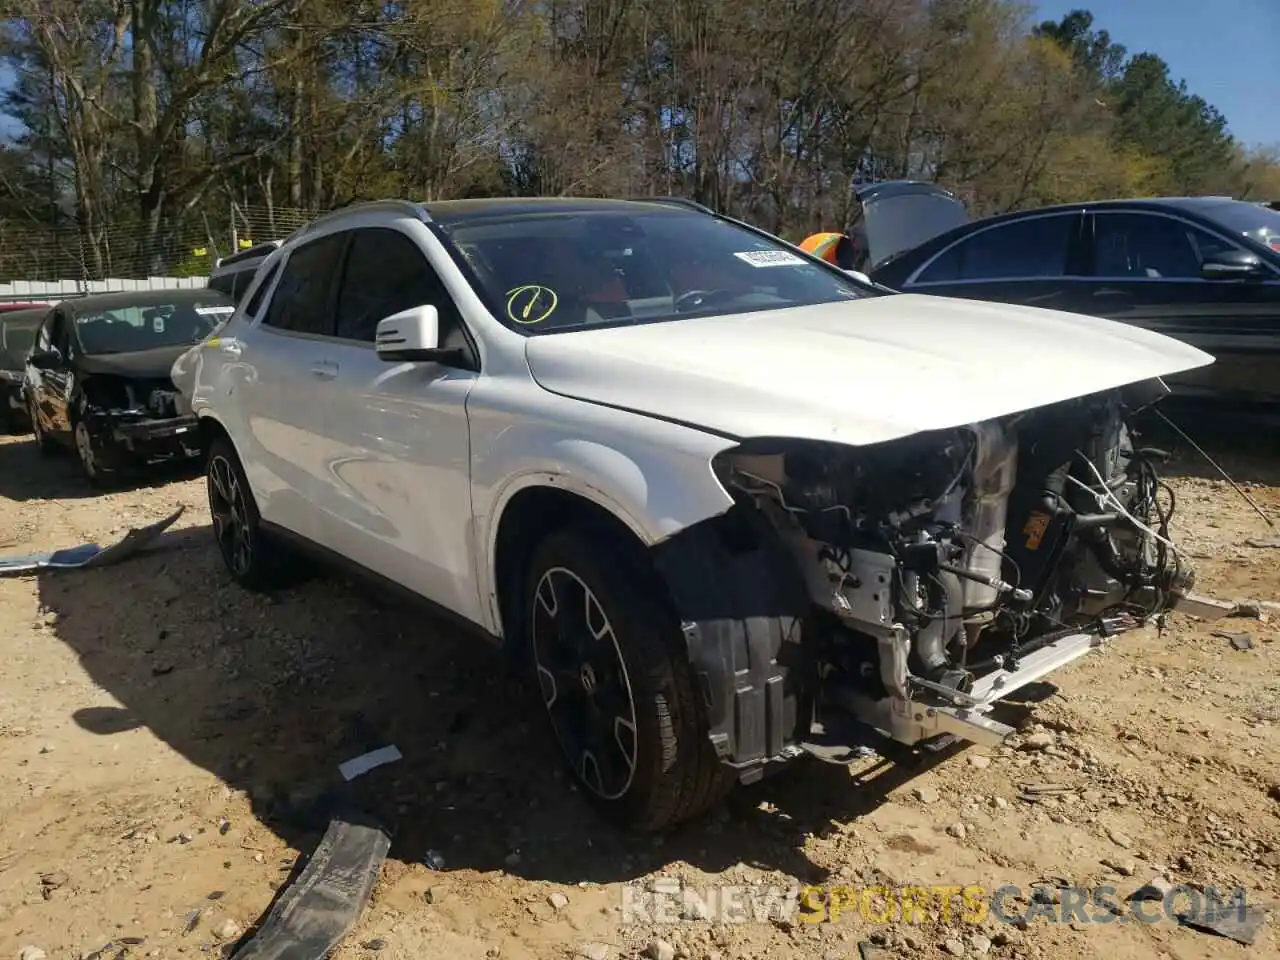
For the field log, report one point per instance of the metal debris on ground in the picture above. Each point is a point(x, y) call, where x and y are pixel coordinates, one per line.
point(1239, 923)
point(89, 554)
point(1241, 641)
point(358, 766)
point(1206, 608)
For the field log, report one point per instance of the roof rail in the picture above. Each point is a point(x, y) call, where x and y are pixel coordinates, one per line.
point(252, 253)
point(407, 208)
point(677, 202)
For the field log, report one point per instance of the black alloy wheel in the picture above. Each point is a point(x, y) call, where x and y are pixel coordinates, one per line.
point(606, 656)
point(231, 526)
point(584, 683)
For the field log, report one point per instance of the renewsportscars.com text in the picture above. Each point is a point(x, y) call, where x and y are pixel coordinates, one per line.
point(672, 903)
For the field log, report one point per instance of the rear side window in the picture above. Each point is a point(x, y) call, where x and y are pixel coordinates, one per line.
point(223, 284)
point(1030, 249)
point(255, 302)
point(386, 272)
point(301, 302)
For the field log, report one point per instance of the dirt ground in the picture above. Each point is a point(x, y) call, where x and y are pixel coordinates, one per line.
point(163, 736)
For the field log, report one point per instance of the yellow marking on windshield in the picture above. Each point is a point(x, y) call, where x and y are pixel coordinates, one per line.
point(524, 299)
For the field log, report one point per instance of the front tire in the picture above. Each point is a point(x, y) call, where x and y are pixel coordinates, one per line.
point(44, 443)
point(90, 455)
point(254, 560)
point(605, 654)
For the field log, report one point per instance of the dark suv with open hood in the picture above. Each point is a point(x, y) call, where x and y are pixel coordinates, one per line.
point(98, 377)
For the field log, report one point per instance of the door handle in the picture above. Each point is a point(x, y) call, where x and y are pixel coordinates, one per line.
point(233, 347)
point(324, 369)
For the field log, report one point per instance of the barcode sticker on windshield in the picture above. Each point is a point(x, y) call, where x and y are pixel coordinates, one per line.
point(770, 258)
point(214, 311)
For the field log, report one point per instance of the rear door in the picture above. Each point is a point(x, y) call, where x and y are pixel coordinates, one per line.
point(1145, 268)
point(1029, 260)
point(286, 361)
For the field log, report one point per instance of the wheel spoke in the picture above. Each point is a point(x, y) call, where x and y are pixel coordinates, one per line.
point(589, 770)
point(547, 596)
point(624, 735)
point(558, 682)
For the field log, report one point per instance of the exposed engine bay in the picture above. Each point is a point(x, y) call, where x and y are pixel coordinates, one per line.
point(947, 569)
point(146, 416)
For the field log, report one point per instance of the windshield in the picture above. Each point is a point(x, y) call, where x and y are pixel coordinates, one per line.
point(547, 273)
point(1255, 221)
point(127, 329)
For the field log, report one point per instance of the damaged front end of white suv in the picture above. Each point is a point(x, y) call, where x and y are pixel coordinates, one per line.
point(909, 586)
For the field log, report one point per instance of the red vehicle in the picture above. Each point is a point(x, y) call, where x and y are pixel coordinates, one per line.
point(21, 305)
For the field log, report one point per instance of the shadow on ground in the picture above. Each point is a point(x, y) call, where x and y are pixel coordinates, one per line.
point(26, 474)
point(1245, 444)
point(271, 693)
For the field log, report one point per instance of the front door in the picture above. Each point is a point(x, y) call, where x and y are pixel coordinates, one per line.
point(51, 387)
point(1145, 268)
point(403, 501)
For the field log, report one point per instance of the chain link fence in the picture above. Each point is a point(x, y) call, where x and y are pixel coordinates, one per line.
point(81, 253)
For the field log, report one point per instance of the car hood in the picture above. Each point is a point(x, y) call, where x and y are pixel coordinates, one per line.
point(859, 372)
point(143, 364)
point(900, 215)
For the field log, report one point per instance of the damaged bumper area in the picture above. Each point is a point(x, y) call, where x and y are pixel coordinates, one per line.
point(904, 590)
point(152, 422)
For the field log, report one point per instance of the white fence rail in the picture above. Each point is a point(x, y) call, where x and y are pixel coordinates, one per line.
point(40, 290)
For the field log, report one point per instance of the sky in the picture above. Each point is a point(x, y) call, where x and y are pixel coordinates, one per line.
point(1228, 51)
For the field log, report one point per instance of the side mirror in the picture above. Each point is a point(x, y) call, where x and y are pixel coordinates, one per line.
point(1232, 265)
point(413, 335)
point(45, 359)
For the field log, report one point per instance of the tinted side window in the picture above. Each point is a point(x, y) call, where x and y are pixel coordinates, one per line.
point(44, 339)
point(1028, 249)
point(223, 284)
point(1147, 246)
point(301, 301)
point(386, 272)
point(255, 303)
point(60, 335)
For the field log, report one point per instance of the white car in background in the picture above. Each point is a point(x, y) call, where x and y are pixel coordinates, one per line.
point(231, 274)
point(726, 504)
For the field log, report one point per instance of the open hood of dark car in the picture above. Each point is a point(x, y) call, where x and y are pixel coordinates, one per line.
point(143, 364)
point(898, 215)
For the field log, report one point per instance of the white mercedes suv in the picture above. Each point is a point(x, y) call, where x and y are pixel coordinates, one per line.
point(726, 504)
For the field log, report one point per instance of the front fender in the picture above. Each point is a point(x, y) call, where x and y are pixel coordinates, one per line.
point(654, 476)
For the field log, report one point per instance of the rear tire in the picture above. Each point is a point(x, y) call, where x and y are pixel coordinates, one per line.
point(606, 659)
point(254, 559)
